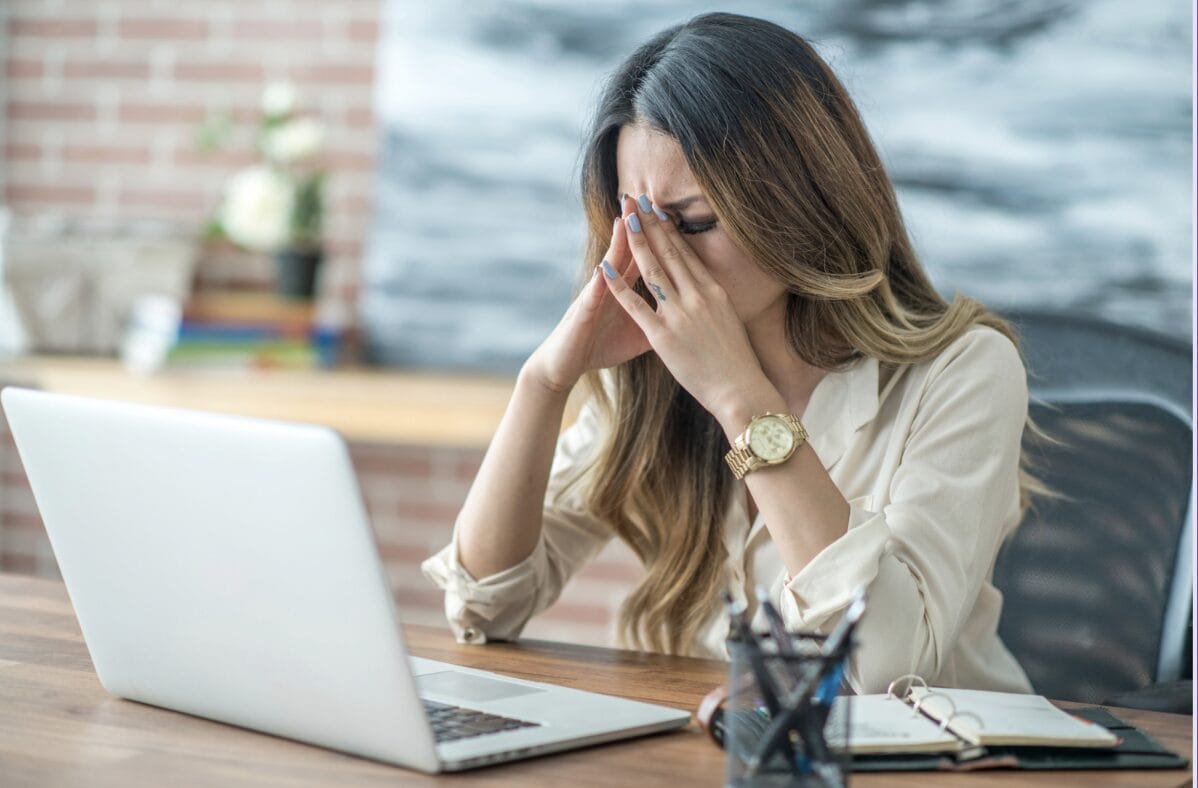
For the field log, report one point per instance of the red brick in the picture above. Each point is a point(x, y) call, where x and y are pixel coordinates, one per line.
point(341, 160)
point(610, 570)
point(347, 291)
point(22, 521)
point(12, 562)
point(15, 478)
point(422, 510)
point(363, 30)
point(334, 73)
point(162, 113)
point(278, 29)
point(220, 72)
point(394, 466)
point(359, 117)
point(109, 69)
point(247, 114)
point(578, 614)
point(406, 554)
point(353, 204)
point(52, 28)
point(19, 151)
point(49, 193)
point(164, 29)
point(36, 110)
point(105, 154)
point(410, 597)
point(343, 247)
point(190, 157)
point(17, 68)
point(164, 198)
point(467, 467)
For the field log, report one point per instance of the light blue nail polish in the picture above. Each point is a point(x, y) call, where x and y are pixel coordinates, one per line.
point(660, 213)
point(608, 271)
point(643, 201)
point(634, 222)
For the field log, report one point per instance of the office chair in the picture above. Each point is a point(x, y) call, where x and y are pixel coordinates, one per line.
point(1098, 583)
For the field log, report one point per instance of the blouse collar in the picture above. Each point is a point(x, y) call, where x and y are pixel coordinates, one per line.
point(842, 403)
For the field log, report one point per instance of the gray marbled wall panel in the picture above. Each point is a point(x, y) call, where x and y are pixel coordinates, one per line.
point(1041, 148)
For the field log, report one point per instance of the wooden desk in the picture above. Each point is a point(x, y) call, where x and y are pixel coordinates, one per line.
point(58, 727)
point(364, 405)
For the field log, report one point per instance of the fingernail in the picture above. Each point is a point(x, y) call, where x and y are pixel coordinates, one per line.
point(643, 201)
point(608, 270)
point(634, 222)
point(660, 213)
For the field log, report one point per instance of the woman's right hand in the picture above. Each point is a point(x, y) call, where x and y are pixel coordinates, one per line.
point(595, 333)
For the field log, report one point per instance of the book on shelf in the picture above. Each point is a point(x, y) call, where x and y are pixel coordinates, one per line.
point(249, 309)
point(227, 330)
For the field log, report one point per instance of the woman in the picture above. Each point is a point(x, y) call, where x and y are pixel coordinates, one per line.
point(747, 258)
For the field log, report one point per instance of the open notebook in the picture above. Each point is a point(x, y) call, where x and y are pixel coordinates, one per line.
point(935, 720)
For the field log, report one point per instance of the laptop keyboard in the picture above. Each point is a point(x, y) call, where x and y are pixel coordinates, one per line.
point(451, 723)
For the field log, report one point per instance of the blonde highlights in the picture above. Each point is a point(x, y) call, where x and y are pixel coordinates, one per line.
point(780, 152)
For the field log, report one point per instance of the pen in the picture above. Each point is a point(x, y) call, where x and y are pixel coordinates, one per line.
point(751, 648)
point(799, 702)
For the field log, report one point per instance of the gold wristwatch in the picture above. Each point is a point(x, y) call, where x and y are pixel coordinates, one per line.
point(770, 439)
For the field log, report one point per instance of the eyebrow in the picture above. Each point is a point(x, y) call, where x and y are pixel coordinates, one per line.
point(678, 205)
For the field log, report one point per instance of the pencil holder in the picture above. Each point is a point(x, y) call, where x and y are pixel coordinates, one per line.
point(781, 725)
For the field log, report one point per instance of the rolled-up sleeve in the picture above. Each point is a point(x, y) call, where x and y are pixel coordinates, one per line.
point(498, 607)
point(950, 503)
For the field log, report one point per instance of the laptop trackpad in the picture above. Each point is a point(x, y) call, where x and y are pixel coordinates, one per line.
point(469, 687)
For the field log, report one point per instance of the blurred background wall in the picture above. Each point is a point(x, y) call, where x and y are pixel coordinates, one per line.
point(1040, 148)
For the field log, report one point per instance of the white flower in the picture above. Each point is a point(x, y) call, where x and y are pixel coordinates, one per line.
point(295, 140)
point(278, 99)
point(257, 209)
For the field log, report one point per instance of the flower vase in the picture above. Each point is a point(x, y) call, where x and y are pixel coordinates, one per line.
point(295, 272)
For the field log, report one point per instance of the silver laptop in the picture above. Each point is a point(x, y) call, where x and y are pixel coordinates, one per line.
point(224, 567)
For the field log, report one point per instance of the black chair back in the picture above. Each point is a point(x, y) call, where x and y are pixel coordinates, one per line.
point(1097, 584)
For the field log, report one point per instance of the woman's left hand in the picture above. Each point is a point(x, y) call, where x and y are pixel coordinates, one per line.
point(694, 329)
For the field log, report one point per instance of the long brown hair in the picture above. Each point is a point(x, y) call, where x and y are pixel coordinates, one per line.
point(778, 148)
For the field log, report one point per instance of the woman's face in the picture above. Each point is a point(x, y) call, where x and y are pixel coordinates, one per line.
point(650, 162)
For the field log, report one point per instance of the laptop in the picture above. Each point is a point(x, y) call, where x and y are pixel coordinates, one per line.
point(225, 567)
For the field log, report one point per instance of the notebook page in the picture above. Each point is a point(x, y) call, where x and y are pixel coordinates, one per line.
point(1009, 718)
point(881, 724)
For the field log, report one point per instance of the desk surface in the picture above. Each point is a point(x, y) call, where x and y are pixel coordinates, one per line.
point(59, 727)
point(364, 405)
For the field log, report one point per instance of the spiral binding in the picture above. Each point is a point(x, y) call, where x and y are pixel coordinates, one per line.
point(911, 678)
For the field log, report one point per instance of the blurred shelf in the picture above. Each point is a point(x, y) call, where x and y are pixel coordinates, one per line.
point(364, 405)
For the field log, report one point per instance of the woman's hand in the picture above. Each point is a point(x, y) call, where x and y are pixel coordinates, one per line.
point(595, 332)
point(694, 328)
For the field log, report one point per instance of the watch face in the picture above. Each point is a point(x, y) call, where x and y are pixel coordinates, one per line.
point(771, 439)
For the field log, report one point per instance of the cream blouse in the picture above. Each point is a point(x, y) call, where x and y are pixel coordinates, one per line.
point(928, 461)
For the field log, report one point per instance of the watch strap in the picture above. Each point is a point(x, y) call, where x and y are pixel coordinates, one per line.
point(741, 458)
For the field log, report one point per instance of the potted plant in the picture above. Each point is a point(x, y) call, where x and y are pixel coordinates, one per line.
point(277, 204)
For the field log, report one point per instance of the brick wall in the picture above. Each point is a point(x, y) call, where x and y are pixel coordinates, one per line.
point(102, 101)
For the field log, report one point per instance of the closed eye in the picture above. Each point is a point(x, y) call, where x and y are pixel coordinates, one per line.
point(693, 228)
